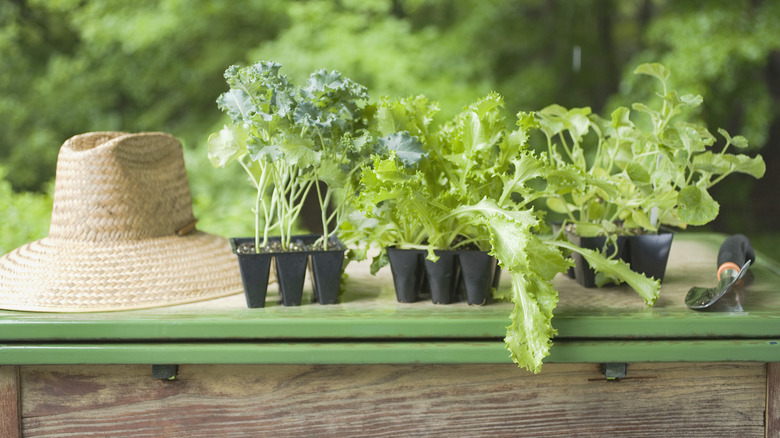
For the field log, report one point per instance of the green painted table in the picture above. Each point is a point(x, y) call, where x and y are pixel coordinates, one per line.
point(411, 346)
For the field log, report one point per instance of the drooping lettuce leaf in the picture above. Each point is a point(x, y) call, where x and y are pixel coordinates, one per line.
point(647, 288)
point(532, 264)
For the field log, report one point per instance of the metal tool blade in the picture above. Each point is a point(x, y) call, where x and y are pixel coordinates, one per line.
point(727, 296)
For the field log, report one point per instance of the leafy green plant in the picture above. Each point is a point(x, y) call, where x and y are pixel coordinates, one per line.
point(402, 192)
point(640, 175)
point(473, 181)
point(290, 138)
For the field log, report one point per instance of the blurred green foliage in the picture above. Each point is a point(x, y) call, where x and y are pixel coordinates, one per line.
point(73, 66)
point(25, 216)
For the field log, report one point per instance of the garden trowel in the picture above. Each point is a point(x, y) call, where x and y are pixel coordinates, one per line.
point(734, 258)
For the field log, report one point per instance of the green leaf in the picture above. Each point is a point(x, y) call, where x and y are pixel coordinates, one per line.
point(532, 264)
point(413, 114)
point(637, 173)
point(237, 104)
point(645, 109)
point(620, 119)
point(666, 172)
point(578, 121)
point(407, 148)
point(738, 140)
point(331, 173)
point(526, 167)
point(640, 218)
point(693, 139)
point(529, 335)
point(551, 120)
point(226, 145)
point(558, 205)
point(691, 100)
point(712, 163)
point(653, 69)
point(566, 177)
point(299, 151)
point(754, 167)
point(489, 209)
point(647, 288)
point(607, 187)
point(581, 197)
point(589, 229)
point(696, 206)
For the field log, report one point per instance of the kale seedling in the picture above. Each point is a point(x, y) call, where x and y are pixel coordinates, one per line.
point(289, 138)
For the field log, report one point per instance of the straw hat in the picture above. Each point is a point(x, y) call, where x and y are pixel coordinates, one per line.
point(122, 233)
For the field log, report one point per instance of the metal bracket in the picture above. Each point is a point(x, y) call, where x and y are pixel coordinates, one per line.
point(165, 372)
point(614, 370)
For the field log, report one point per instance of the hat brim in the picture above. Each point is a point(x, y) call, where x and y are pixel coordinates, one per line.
point(55, 275)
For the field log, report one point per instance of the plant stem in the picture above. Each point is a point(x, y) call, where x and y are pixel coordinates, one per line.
point(323, 209)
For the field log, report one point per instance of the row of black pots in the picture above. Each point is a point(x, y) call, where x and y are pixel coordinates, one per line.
point(326, 267)
point(456, 273)
point(645, 253)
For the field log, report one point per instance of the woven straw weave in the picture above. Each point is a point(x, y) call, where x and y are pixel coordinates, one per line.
point(119, 201)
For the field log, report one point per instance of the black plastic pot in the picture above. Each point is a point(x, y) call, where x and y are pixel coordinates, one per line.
point(645, 253)
point(254, 275)
point(408, 273)
point(291, 274)
point(474, 272)
point(480, 273)
point(648, 254)
point(327, 267)
point(443, 277)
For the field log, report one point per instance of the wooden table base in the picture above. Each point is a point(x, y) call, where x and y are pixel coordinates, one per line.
point(654, 399)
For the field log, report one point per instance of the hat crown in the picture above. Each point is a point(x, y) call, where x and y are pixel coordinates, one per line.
point(119, 186)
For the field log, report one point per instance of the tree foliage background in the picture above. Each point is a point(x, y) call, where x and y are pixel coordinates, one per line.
point(74, 66)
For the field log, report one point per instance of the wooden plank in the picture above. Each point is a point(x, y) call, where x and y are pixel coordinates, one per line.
point(10, 424)
point(773, 400)
point(712, 400)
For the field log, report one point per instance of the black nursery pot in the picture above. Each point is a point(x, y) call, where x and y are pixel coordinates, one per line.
point(291, 274)
point(408, 273)
point(476, 272)
point(648, 254)
point(479, 273)
point(443, 277)
point(326, 269)
point(327, 266)
point(254, 270)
